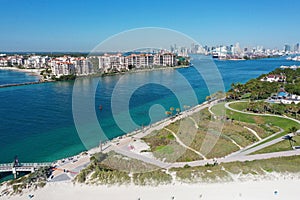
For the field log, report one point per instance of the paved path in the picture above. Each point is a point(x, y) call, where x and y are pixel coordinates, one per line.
point(258, 114)
point(255, 146)
point(241, 155)
point(253, 132)
point(259, 147)
point(196, 125)
point(140, 157)
point(185, 146)
point(121, 146)
point(237, 158)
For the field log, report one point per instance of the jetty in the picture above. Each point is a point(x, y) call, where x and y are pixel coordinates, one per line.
point(20, 84)
point(17, 167)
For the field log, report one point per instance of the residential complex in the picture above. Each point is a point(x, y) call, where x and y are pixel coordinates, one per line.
point(274, 78)
point(80, 66)
point(119, 62)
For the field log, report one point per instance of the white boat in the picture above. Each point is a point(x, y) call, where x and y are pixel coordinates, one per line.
point(297, 58)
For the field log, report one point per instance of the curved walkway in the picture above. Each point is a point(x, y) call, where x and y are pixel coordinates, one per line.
point(258, 114)
point(185, 146)
point(253, 132)
point(234, 142)
point(196, 125)
point(241, 155)
point(257, 145)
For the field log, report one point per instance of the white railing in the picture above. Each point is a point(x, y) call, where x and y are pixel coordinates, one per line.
point(26, 164)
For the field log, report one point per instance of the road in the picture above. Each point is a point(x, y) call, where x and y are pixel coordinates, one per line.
point(241, 155)
point(121, 146)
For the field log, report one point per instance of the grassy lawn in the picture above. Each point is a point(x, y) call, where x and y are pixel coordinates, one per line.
point(269, 123)
point(152, 178)
point(219, 109)
point(224, 171)
point(238, 133)
point(206, 138)
point(164, 146)
point(242, 106)
point(119, 162)
point(262, 130)
point(280, 146)
point(261, 121)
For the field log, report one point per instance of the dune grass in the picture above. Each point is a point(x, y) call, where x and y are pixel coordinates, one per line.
point(230, 171)
point(211, 137)
point(164, 146)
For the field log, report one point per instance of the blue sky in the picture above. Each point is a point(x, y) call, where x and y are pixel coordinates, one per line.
point(61, 25)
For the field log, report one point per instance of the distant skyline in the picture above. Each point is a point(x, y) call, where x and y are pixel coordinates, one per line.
point(44, 25)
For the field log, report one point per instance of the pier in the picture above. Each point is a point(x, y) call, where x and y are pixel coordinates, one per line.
point(24, 167)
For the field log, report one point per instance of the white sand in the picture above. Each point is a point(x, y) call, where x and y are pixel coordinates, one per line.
point(264, 190)
point(33, 72)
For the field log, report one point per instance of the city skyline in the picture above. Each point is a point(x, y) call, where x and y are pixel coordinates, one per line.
point(65, 26)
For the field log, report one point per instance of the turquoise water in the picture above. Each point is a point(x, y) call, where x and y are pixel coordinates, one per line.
point(37, 120)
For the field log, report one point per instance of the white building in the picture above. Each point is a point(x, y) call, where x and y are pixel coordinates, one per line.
point(274, 78)
point(70, 66)
point(118, 62)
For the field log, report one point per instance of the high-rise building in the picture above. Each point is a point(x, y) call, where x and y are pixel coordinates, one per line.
point(287, 48)
point(296, 47)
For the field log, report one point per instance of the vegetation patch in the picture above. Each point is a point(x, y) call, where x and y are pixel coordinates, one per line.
point(33, 180)
point(153, 178)
point(237, 170)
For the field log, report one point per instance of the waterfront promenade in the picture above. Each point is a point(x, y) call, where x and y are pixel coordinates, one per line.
point(24, 167)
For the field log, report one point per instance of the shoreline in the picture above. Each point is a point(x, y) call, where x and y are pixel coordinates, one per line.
point(132, 71)
point(83, 158)
point(36, 72)
point(280, 188)
point(32, 72)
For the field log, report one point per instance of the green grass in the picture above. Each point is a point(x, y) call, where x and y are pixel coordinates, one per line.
point(219, 109)
point(261, 121)
point(164, 146)
point(119, 162)
point(224, 171)
point(153, 178)
point(280, 146)
point(165, 149)
point(242, 106)
point(283, 123)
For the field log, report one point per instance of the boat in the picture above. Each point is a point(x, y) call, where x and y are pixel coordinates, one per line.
point(215, 55)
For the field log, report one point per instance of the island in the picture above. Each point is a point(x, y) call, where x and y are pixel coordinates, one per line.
point(247, 134)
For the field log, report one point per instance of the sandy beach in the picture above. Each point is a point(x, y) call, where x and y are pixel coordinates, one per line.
point(33, 72)
point(250, 190)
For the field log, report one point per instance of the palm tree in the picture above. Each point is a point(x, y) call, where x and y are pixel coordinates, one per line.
point(233, 90)
point(177, 111)
point(185, 107)
point(290, 139)
point(168, 113)
point(293, 129)
point(172, 109)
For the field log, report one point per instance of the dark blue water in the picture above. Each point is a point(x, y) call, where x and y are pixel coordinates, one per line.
point(37, 120)
point(10, 77)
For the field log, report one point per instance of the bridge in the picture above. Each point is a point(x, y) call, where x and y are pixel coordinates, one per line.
point(21, 167)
